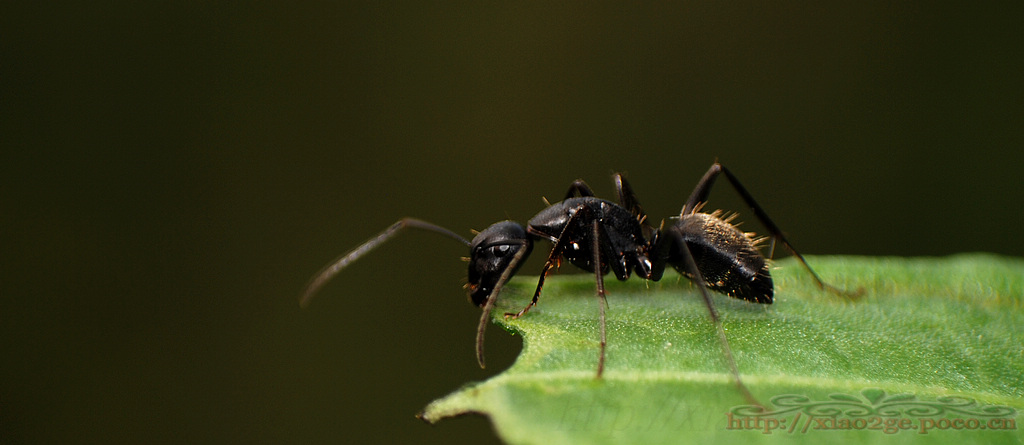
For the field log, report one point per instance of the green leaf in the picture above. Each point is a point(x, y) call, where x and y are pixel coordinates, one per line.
point(926, 328)
point(844, 397)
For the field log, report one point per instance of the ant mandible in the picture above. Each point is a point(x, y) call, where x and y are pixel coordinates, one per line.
point(599, 236)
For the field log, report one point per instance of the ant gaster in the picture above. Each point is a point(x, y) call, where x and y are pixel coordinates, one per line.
point(599, 236)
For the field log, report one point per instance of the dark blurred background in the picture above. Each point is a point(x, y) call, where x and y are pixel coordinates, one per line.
point(174, 172)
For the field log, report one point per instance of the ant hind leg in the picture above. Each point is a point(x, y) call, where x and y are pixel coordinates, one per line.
point(700, 195)
point(698, 279)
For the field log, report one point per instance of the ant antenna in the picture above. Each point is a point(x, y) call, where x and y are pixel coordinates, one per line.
point(493, 298)
point(332, 268)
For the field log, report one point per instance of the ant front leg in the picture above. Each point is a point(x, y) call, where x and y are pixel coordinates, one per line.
point(700, 195)
point(554, 258)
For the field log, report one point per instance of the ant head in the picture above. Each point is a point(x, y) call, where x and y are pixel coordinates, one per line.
point(491, 253)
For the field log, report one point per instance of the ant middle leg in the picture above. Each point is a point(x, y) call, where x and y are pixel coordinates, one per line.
point(578, 188)
point(700, 195)
point(629, 201)
point(601, 294)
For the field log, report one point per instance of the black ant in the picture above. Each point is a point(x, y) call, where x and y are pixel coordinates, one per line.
point(599, 236)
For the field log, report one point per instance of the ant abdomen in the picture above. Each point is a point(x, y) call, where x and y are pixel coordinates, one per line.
point(727, 257)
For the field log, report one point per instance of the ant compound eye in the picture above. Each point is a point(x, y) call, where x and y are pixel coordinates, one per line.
point(501, 250)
